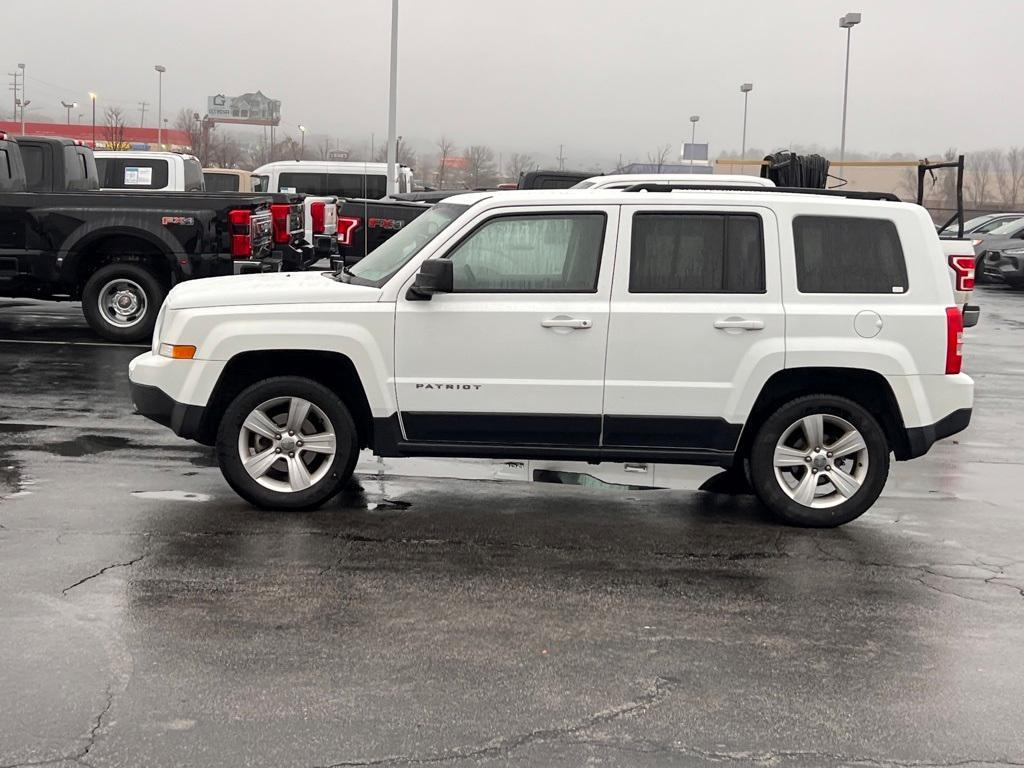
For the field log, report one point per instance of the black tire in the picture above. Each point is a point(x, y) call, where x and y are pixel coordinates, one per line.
point(151, 291)
point(335, 474)
point(767, 485)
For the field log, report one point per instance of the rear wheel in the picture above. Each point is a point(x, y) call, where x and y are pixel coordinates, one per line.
point(819, 461)
point(121, 301)
point(287, 443)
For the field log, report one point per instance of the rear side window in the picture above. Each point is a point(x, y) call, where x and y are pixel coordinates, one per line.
point(5, 165)
point(132, 173)
point(696, 253)
point(308, 183)
point(840, 254)
point(193, 175)
point(221, 182)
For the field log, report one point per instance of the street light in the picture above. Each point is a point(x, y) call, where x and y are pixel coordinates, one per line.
point(93, 97)
point(69, 107)
point(302, 143)
point(23, 102)
point(745, 89)
point(846, 22)
point(393, 102)
point(160, 105)
point(693, 137)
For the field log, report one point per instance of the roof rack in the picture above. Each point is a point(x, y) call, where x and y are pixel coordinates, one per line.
point(654, 187)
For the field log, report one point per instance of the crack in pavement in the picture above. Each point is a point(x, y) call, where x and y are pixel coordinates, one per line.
point(81, 754)
point(505, 745)
point(100, 572)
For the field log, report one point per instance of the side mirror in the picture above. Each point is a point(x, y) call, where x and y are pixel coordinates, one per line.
point(435, 276)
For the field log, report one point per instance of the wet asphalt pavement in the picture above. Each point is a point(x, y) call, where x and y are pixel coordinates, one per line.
point(148, 617)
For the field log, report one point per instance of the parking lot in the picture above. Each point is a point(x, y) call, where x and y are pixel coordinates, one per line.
point(150, 617)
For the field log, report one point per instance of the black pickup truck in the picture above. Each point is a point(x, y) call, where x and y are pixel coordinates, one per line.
point(117, 252)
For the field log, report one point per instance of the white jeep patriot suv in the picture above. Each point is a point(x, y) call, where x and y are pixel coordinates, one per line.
point(801, 338)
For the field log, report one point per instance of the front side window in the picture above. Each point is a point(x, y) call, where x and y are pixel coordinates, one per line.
point(696, 253)
point(841, 254)
point(308, 183)
point(373, 186)
point(538, 253)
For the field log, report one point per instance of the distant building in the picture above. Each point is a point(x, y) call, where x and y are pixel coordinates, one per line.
point(138, 138)
point(698, 166)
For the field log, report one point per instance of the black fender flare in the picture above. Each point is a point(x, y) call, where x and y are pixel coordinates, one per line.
point(76, 245)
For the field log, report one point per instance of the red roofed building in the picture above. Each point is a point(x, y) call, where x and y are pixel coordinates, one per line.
point(137, 138)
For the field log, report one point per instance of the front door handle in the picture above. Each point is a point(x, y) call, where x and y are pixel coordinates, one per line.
point(739, 323)
point(564, 321)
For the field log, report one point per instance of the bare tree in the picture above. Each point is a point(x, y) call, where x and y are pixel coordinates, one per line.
point(659, 156)
point(979, 177)
point(224, 151)
point(480, 169)
point(187, 120)
point(405, 154)
point(519, 163)
point(114, 129)
point(445, 147)
point(1011, 176)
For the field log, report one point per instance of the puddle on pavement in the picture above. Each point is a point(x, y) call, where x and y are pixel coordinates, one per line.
point(86, 445)
point(171, 495)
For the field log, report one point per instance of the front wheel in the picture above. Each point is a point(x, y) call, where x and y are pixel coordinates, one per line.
point(287, 443)
point(819, 461)
point(121, 301)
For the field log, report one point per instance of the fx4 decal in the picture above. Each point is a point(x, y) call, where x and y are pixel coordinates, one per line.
point(186, 220)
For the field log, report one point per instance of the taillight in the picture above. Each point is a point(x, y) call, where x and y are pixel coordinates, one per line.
point(279, 218)
point(241, 237)
point(347, 225)
point(963, 268)
point(316, 213)
point(954, 340)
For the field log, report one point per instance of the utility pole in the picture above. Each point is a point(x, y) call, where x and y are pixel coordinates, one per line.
point(561, 157)
point(23, 102)
point(142, 113)
point(14, 87)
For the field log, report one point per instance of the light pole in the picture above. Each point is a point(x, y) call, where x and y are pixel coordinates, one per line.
point(846, 22)
point(160, 105)
point(693, 138)
point(393, 102)
point(23, 102)
point(302, 142)
point(69, 107)
point(93, 97)
point(745, 89)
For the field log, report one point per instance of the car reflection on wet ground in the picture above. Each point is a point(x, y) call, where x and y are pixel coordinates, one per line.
point(149, 617)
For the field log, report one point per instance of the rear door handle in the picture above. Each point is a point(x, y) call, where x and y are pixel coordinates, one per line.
point(739, 323)
point(564, 321)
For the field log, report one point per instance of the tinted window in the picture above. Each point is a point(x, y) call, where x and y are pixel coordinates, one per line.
point(221, 182)
point(132, 173)
point(541, 253)
point(373, 186)
point(989, 226)
point(5, 164)
point(309, 183)
point(74, 167)
point(837, 254)
point(34, 159)
point(696, 253)
point(260, 183)
point(193, 175)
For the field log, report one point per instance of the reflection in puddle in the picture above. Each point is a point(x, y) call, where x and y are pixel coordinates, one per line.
point(171, 495)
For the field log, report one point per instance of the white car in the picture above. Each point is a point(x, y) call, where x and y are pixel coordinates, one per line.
point(330, 177)
point(626, 180)
point(139, 171)
point(802, 337)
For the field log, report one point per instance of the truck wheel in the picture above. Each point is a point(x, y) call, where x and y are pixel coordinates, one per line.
point(819, 461)
point(287, 443)
point(121, 302)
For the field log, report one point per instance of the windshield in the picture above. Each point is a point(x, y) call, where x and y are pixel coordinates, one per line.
point(995, 224)
point(378, 267)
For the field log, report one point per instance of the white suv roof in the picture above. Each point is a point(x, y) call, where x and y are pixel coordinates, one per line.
point(326, 166)
point(143, 153)
point(622, 180)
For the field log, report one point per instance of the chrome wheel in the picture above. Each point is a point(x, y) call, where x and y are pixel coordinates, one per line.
point(287, 444)
point(122, 302)
point(821, 461)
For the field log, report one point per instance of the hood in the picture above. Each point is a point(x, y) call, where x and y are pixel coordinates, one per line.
point(267, 288)
point(996, 243)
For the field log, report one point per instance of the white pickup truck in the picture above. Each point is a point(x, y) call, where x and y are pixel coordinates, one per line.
point(139, 171)
point(803, 337)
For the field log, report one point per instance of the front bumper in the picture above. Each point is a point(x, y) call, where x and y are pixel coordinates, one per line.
point(152, 402)
point(998, 266)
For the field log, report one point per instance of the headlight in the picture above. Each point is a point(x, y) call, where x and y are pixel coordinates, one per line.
point(976, 242)
point(1014, 251)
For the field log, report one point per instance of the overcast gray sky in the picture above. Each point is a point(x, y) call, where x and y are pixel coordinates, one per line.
point(602, 77)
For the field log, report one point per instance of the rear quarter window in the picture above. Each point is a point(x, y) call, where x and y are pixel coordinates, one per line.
point(132, 173)
point(221, 182)
point(846, 254)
